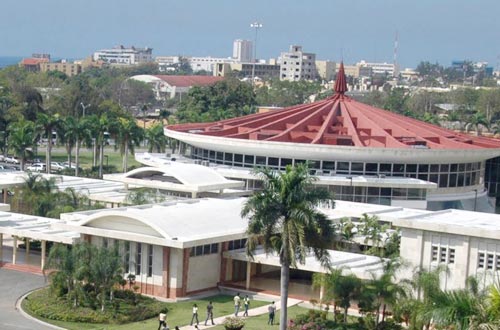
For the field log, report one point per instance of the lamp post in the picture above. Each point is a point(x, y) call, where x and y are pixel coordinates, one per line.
point(256, 25)
point(352, 190)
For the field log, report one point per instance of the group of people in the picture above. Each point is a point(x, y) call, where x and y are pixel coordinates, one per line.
point(210, 312)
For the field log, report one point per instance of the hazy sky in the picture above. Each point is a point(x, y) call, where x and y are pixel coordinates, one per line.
point(434, 30)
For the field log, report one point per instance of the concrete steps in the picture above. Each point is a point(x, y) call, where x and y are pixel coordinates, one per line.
point(22, 268)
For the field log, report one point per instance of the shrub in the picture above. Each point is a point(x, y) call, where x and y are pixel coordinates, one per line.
point(233, 322)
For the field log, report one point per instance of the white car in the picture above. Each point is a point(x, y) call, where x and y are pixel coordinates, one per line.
point(37, 167)
point(11, 160)
point(55, 166)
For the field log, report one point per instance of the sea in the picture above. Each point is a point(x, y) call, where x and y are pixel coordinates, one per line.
point(9, 60)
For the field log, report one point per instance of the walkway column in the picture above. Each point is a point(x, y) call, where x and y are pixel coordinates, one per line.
point(14, 249)
point(44, 247)
point(249, 273)
point(27, 252)
point(5, 195)
point(1, 247)
point(321, 293)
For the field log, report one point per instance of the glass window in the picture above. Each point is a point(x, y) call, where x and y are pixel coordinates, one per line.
point(386, 168)
point(434, 253)
point(238, 158)
point(444, 168)
point(286, 161)
point(150, 260)
point(373, 191)
point(489, 261)
point(461, 167)
point(385, 192)
point(249, 159)
point(423, 176)
point(414, 193)
point(228, 157)
point(138, 259)
point(212, 154)
point(480, 260)
point(451, 256)
point(343, 167)
point(371, 167)
point(468, 167)
point(328, 165)
point(273, 161)
point(460, 178)
point(443, 180)
point(357, 168)
point(127, 257)
point(260, 160)
point(434, 168)
point(398, 169)
point(220, 155)
point(442, 254)
point(453, 167)
point(299, 161)
point(453, 180)
point(199, 250)
point(423, 168)
point(411, 168)
point(214, 248)
point(434, 178)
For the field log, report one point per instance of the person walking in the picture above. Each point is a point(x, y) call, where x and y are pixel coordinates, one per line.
point(162, 319)
point(210, 313)
point(271, 309)
point(246, 304)
point(236, 304)
point(195, 315)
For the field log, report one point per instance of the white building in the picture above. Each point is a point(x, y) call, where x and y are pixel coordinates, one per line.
point(167, 63)
point(121, 55)
point(242, 50)
point(378, 68)
point(207, 63)
point(297, 65)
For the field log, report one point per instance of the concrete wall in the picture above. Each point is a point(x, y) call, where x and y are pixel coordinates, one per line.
point(204, 272)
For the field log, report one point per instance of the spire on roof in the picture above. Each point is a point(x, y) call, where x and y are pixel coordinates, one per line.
point(341, 83)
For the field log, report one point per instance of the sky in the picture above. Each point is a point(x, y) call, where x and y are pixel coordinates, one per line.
point(352, 30)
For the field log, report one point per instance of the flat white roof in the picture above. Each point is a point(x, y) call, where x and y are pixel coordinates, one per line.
point(363, 266)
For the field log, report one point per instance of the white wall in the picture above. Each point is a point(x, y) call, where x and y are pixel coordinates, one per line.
point(204, 272)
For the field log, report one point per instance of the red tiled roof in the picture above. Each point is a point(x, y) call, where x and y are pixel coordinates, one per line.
point(189, 81)
point(340, 121)
point(33, 61)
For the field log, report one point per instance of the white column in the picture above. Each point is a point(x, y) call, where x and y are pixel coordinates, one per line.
point(1, 247)
point(249, 273)
point(44, 247)
point(14, 249)
point(321, 292)
point(27, 252)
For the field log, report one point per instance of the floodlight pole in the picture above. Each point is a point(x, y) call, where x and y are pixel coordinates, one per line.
point(256, 25)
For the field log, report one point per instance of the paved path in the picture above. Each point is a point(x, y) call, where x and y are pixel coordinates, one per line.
point(13, 285)
point(251, 312)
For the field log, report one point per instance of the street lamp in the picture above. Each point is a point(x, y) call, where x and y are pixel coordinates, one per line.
point(255, 25)
point(351, 189)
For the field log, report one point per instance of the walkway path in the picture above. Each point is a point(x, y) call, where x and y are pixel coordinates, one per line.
point(251, 312)
point(13, 285)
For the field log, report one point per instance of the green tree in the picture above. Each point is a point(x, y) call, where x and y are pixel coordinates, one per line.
point(48, 123)
point(128, 136)
point(155, 138)
point(22, 136)
point(284, 217)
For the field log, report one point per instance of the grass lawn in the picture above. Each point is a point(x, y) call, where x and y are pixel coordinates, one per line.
point(86, 157)
point(179, 313)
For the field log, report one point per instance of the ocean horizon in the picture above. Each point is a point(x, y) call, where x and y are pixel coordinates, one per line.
point(9, 60)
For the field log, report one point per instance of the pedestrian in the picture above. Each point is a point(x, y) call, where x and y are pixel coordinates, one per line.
point(210, 313)
point(195, 315)
point(177, 328)
point(162, 319)
point(236, 304)
point(271, 309)
point(246, 303)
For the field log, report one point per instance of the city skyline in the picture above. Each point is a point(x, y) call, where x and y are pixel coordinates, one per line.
point(334, 30)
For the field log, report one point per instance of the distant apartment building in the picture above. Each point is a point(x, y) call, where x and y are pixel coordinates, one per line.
point(326, 70)
point(297, 65)
point(167, 63)
point(207, 63)
point(121, 55)
point(378, 68)
point(69, 69)
point(32, 64)
point(242, 50)
point(245, 70)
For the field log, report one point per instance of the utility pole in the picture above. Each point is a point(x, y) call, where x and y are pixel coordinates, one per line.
point(256, 25)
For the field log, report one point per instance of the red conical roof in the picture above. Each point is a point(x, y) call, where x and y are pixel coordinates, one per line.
point(339, 121)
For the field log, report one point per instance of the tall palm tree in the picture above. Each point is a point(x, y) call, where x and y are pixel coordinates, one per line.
point(155, 137)
point(21, 139)
point(48, 123)
point(283, 216)
point(474, 122)
point(128, 136)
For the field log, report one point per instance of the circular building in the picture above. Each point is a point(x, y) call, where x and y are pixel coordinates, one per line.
point(361, 152)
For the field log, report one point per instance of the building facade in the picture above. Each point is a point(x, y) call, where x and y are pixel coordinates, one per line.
point(246, 70)
point(326, 70)
point(297, 65)
point(121, 55)
point(69, 69)
point(243, 50)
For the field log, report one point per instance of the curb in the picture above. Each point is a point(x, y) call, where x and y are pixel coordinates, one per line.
point(29, 317)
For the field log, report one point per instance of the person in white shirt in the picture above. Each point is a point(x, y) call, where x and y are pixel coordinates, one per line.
point(195, 315)
point(236, 304)
point(246, 304)
point(162, 318)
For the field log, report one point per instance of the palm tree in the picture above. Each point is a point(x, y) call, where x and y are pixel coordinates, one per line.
point(47, 123)
point(21, 139)
point(283, 216)
point(155, 137)
point(128, 136)
point(106, 272)
point(346, 289)
point(475, 121)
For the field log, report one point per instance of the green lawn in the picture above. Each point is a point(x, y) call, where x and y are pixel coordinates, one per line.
point(179, 314)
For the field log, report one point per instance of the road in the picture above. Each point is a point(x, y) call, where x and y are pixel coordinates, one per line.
point(13, 285)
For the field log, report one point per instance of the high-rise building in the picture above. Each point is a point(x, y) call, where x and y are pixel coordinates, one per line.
point(242, 50)
point(297, 65)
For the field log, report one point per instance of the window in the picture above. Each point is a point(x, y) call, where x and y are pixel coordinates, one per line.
point(489, 264)
point(150, 260)
point(451, 256)
point(237, 244)
point(434, 253)
point(442, 254)
point(201, 250)
point(480, 260)
point(138, 259)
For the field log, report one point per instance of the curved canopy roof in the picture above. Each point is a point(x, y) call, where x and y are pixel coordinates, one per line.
point(339, 121)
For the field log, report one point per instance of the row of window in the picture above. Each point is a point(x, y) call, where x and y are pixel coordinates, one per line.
point(443, 254)
point(362, 194)
point(138, 258)
point(445, 175)
point(489, 261)
point(202, 250)
point(237, 244)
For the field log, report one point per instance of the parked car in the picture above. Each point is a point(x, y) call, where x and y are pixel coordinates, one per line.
point(37, 167)
point(11, 160)
point(55, 166)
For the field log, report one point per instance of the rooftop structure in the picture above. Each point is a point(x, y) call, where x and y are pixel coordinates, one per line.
point(342, 136)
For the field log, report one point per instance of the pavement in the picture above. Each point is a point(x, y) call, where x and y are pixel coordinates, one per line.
point(13, 285)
